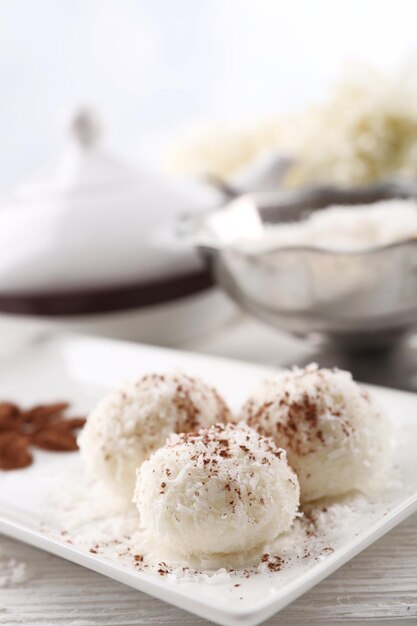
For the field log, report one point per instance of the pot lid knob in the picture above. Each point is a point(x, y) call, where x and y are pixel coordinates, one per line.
point(86, 128)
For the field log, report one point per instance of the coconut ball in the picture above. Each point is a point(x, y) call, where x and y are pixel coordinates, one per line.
point(336, 437)
point(223, 490)
point(135, 420)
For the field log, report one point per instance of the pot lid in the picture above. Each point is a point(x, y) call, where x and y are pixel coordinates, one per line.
point(91, 220)
point(83, 167)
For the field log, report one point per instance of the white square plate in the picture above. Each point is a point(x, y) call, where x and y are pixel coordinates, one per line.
point(82, 369)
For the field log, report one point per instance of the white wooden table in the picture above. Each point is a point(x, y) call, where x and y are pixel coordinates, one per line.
point(379, 586)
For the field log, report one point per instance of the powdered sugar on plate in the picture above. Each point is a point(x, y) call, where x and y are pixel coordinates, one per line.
point(83, 517)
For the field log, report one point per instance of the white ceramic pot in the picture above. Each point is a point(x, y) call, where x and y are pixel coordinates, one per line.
point(89, 244)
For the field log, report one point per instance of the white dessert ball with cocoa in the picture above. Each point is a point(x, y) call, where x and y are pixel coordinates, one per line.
point(221, 491)
point(135, 420)
point(336, 437)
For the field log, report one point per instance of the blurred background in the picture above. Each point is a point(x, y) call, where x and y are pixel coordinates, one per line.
point(151, 67)
point(123, 120)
